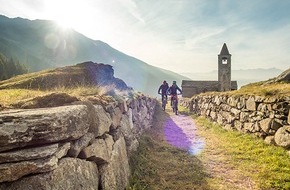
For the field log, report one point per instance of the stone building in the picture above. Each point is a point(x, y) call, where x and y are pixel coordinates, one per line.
point(224, 83)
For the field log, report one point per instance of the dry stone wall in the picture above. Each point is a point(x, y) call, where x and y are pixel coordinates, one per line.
point(266, 117)
point(80, 146)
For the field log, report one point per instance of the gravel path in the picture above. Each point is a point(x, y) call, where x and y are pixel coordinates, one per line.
point(180, 131)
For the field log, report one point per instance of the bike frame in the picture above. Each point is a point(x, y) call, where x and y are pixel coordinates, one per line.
point(174, 96)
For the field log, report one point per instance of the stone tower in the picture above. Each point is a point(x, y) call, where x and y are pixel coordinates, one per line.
point(224, 69)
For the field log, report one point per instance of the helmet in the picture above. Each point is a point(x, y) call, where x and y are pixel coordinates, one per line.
point(174, 82)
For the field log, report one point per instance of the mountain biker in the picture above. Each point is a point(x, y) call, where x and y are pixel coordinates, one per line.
point(172, 90)
point(163, 88)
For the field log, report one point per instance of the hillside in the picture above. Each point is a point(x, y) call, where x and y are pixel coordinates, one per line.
point(278, 86)
point(42, 44)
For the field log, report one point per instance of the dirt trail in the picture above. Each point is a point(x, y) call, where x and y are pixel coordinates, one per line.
point(180, 131)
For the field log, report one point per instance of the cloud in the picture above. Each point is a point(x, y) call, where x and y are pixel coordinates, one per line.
point(132, 7)
point(21, 8)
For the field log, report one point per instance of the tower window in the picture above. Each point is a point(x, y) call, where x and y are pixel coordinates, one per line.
point(224, 60)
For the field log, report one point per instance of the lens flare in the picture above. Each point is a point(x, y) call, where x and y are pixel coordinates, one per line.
point(180, 131)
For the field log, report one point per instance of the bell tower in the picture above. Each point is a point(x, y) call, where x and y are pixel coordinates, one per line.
point(224, 69)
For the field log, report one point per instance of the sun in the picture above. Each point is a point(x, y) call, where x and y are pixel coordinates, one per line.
point(67, 13)
point(65, 23)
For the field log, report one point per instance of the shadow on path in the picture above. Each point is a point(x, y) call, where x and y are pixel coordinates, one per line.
point(180, 131)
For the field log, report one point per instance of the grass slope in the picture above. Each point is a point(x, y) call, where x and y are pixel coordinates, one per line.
point(48, 79)
point(277, 89)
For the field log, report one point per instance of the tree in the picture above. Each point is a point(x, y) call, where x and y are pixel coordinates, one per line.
point(10, 67)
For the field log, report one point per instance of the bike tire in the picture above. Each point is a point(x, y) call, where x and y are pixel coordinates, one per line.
point(163, 105)
point(174, 106)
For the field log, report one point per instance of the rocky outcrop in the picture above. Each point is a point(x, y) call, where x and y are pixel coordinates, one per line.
point(80, 146)
point(103, 75)
point(82, 74)
point(266, 117)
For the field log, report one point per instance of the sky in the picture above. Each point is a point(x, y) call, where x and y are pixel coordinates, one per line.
point(178, 35)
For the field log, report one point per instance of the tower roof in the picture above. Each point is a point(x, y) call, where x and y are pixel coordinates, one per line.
point(224, 50)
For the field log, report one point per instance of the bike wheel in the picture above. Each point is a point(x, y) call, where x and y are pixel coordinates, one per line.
point(163, 107)
point(174, 106)
point(163, 104)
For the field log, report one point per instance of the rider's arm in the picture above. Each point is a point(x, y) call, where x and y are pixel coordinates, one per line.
point(179, 90)
point(159, 89)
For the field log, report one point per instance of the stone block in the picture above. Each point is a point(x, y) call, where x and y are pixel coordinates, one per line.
point(20, 128)
point(220, 119)
point(207, 113)
point(251, 104)
point(102, 122)
point(28, 153)
point(115, 174)
point(96, 152)
point(265, 124)
point(213, 115)
point(270, 140)
point(236, 112)
point(282, 136)
point(244, 116)
point(262, 107)
point(109, 143)
point(116, 116)
point(232, 101)
point(71, 174)
point(80, 144)
point(218, 100)
point(242, 103)
point(14, 171)
point(238, 125)
point(249, 127)
point(123, 106)
point(126, 130)
point(228, 127)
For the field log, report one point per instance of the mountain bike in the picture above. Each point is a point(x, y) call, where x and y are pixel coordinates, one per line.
point(163, 102)
point(175, 103)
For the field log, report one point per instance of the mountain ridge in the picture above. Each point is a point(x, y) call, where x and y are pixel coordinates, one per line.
point(42, 44)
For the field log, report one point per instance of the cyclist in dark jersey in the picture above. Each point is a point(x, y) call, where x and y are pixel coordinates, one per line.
point(172, 90)
point(163, 88)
